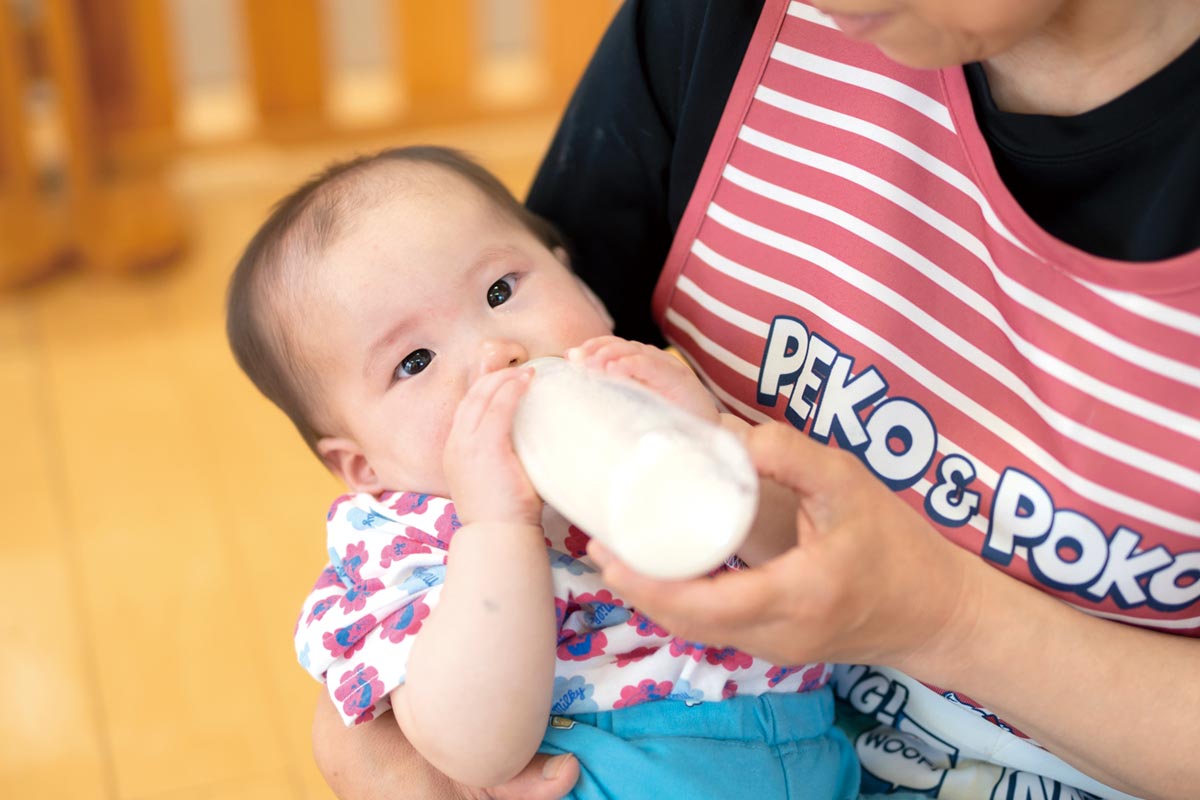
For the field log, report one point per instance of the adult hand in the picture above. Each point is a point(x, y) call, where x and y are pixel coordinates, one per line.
point(868, 580)
point(546, 778)
point(374, 761)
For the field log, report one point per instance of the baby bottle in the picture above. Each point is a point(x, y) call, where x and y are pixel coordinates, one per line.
point(670, 494)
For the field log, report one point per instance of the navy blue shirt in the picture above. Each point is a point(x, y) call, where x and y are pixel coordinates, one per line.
point(1121, 181)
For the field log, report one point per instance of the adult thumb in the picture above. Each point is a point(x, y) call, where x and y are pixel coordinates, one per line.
point(546, 778)
point(790, 458)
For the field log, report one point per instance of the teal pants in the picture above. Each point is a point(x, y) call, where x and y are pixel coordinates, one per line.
point(771, 747)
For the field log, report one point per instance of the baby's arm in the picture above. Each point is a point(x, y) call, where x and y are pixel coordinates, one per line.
point(774, 528)
point(477, 694)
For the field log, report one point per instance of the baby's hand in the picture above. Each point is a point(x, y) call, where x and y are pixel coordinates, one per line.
point(486, 480)
point(655, 369)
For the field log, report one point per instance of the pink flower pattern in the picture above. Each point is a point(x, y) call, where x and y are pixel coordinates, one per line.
point(633, 656)
point(560, 613)
point(583, 646)
point(815, 677)
point(360, 588)
point(405, 622)
point(446, 525)
point(776, 675)
point(603, 596)
point(576, 542)
point(389, 551)
point(644, 692)
point(329, 577)
point(359, 690)
point(645, 627)
point(320, 607)
point(693, 650)
point(344, 642)
point(401, 548)
point(411, 503)
point(729, 658)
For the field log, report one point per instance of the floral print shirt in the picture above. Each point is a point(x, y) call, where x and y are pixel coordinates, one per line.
point(388, 558)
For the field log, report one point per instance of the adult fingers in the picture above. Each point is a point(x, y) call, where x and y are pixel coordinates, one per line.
point(716, 611)
point(546, 778)
point(790, 458)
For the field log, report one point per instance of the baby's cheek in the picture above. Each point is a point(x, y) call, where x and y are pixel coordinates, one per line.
point(419, 445)
point(583, 326)
point(434, 435)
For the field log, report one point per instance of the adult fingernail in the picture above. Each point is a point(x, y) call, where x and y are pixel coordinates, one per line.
point(553, 766)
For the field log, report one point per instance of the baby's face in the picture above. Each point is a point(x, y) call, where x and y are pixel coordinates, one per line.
point(424, 293)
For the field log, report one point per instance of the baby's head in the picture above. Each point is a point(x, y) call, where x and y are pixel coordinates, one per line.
point(378, 291)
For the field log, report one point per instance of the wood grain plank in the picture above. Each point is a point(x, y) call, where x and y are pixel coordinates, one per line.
point(181, 677)
point(53, 744)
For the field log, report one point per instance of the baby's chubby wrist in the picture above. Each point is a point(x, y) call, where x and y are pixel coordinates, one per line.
point(492, 503)
point(497, 553)
point(500, 529)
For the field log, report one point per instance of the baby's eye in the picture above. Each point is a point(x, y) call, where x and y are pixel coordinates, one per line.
point(411, 364)
point(499, 292)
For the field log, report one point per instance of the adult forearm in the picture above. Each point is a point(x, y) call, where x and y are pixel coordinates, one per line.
point(477, 692)
point(1116, 701)
point(372, 760)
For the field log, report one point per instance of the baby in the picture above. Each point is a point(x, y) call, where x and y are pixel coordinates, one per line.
point(387, 306)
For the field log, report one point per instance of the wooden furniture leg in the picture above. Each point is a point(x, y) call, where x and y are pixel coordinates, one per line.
point(31, 237)
point(117, 111)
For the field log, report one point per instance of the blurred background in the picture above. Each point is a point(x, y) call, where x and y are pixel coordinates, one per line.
point(161, 522)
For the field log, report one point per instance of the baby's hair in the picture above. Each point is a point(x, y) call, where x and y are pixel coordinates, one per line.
point(301, 226)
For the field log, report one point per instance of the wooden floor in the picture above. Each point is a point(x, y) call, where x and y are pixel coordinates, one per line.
point(160, 521)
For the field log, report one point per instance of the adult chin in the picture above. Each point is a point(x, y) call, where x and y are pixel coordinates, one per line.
point(926, 49)
point(861, 26)
point(911, 41)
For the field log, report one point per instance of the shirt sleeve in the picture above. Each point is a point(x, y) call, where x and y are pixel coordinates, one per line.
point(387, 565)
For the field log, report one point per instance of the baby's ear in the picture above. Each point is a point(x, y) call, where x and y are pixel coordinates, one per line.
point(345, 459)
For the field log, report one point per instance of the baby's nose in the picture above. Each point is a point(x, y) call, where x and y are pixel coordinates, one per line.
point(496, 354)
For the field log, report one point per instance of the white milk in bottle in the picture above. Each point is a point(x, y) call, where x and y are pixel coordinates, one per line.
point(671, 494)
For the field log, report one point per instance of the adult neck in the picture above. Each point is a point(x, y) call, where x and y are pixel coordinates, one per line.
point(1090, 52)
